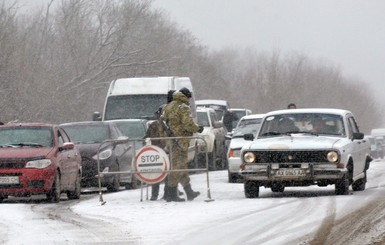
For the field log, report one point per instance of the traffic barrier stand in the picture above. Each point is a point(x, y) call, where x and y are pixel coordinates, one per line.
point(154, 165)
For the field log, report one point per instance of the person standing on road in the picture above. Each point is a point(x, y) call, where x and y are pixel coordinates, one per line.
point(177, 115)
point(155, 130)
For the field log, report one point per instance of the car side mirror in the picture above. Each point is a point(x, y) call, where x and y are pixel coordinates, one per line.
point(229, 135)
point(248, 137)
point(218, 124)
point(96, 116)
point(67, 146)
point(358, 136)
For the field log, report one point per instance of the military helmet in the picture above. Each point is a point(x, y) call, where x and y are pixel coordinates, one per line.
point(186, 92)
point(169, 95)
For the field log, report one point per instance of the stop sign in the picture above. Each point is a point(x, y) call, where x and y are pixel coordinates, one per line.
point(151, 164)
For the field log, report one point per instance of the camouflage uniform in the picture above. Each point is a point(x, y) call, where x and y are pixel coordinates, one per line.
point(155, 130)
point(177, 115)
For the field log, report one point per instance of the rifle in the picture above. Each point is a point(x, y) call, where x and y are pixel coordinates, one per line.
point(169, 133)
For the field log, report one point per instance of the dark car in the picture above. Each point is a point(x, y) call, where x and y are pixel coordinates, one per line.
point(89, 136)
point(38, 158)
point(134, 129)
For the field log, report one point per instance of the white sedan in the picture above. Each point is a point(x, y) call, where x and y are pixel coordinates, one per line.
point(247, 125)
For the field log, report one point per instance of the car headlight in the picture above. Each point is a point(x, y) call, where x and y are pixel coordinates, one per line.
point(332, 156)
point(103, 155)
point(249, 157)
point(43, 163)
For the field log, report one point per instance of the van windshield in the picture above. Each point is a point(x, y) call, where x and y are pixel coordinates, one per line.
point(133, 106)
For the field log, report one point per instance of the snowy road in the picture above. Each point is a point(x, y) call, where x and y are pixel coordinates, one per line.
point(306, 215)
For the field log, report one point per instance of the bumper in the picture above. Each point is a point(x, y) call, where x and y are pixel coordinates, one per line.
point(306, 173)
point(234, 164)
point(90, 172)
point(26, 182)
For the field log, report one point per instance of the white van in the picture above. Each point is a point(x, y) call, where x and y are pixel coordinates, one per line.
point(141, 97)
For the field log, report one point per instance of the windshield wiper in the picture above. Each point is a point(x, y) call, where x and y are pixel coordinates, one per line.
point(26, 144)
point(272, 133)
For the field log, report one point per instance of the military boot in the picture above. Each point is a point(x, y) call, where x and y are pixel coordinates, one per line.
point(154, 192)
point(190, 193)
point(172, 195)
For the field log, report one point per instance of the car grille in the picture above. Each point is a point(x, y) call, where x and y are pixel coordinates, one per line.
point(291, 156)
point(11, 165)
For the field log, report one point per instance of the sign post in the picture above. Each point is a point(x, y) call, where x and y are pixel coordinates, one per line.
point(151, 164)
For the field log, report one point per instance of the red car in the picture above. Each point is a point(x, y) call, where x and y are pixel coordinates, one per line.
point(37, 158)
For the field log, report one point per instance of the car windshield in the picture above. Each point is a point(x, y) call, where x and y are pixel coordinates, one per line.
point(203, 119)
point(83, 134)
point(309, 123)
point(134, 130)
point(26, 137)
point(134, 106)
point(247, 126)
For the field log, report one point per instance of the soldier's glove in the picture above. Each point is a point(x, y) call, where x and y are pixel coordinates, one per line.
point(200, 130)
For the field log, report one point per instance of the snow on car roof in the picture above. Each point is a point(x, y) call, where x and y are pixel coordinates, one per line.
point(310, 110)
point(252, 116)
point(211, 102)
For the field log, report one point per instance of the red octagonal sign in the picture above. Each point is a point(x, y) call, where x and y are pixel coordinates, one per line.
point(151, 164)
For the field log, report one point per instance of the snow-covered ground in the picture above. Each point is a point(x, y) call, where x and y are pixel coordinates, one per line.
point(306, 215)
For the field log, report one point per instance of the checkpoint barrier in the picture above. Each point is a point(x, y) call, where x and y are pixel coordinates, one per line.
point(148, 172)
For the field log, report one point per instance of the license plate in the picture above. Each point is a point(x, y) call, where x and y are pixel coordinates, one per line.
point(290, 172)
point(6, 180)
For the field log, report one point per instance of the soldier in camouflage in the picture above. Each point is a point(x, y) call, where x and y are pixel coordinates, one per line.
point(177, 115)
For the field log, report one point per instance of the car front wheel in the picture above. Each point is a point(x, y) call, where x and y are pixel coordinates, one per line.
point(75, 194)
point(54, 194)
point(342, 186)
point(251, 189)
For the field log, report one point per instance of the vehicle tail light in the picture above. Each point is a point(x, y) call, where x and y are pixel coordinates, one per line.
point(230, 153)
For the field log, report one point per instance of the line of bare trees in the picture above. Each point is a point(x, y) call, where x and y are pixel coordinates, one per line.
point(56, 64)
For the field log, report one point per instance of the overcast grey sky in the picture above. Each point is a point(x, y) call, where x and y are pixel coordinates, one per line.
point(348, 33)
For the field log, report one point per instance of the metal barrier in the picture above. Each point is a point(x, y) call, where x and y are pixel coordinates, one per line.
point(124, 140)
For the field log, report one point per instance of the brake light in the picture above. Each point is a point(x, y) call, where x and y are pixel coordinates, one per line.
point(230, 153)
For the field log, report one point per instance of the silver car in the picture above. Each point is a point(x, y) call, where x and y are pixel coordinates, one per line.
point(247, 125)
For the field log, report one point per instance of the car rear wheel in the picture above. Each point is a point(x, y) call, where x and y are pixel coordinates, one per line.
point(115, 185)
point(75, 194)
point(134, 183)
point(2, 198)
point(54, 194)
point(251, 189)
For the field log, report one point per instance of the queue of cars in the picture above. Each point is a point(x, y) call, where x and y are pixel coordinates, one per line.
point(294, 147)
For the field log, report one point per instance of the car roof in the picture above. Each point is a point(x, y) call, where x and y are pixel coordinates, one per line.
point(26, 124)
point(204, 109)
point(252, 116)
point(212, 102)
point(87, 123)
point(309, 110)
point(127, 120)
point(239, 109)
